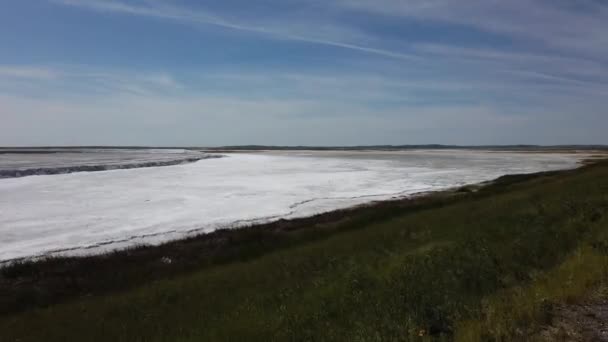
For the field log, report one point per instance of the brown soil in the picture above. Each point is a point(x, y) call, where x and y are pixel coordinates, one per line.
point(586, 320)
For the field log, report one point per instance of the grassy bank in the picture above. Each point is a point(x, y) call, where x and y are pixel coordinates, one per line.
point(485, 265)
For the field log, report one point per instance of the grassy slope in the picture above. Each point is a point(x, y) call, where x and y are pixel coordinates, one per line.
point(484, 267)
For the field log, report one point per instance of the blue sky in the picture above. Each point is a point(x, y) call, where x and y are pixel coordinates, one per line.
point(295, 72)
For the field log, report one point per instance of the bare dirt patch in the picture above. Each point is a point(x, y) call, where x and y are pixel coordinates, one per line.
point(586, 320)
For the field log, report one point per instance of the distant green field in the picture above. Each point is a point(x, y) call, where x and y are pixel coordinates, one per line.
point(484, 266)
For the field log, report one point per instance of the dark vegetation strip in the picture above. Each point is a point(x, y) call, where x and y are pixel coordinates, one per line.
point(15, 173)
point(519, 148)
point(522, 148)
point(392, 271)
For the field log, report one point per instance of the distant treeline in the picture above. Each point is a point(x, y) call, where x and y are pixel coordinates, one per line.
point(412, 147)
point(25, 149)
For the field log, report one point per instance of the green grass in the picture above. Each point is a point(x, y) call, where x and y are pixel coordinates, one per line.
point(479, 266)
point(517, 313)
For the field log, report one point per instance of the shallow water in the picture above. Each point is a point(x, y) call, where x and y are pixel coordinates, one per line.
point(92, 212)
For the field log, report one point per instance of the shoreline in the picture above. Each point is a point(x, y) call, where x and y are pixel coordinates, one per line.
point(60, 278)
point(127, 244)
point(200, 217)
point(288, 224)
point(298, 222)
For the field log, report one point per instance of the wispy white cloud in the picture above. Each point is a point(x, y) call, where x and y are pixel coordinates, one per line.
point(579, 27)
point(364, 88)
point(553, 67)
point(28, 72)
point(322, 33)
point(559, 41)
point(544, 21)
point(210, 120)
point(144, 84)
point(78, 80)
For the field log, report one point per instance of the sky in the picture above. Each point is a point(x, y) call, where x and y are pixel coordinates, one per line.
point(303, 72)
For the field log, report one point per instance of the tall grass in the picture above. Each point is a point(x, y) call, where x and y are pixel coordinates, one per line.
point(518, 313)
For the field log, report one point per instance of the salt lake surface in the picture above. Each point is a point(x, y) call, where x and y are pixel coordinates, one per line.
point(92, 212)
